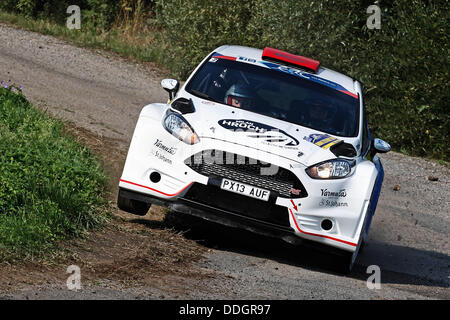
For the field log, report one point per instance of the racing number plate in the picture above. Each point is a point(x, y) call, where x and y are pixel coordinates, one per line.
point(245, 189)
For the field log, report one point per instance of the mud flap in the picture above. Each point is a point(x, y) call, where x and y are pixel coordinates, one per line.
point(375, 194)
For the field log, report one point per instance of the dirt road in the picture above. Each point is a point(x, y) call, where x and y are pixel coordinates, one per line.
point(165, 256)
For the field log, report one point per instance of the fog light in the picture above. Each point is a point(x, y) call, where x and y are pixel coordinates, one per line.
point(155, 177)
point(327, 224)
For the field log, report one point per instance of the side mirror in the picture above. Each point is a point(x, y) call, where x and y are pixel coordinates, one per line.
point(171, 86)
point(381, 146)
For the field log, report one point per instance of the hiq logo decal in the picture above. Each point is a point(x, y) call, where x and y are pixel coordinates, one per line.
point(268, 133)
point(324, 141)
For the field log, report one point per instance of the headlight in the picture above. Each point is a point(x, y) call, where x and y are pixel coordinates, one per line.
point(332, 169)
point(180, 128)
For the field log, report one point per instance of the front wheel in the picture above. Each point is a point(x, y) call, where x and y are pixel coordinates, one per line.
point(345, 260)
point(132, 206)
point(343, 263)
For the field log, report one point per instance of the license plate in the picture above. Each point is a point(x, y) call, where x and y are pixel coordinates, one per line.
point(245, 189)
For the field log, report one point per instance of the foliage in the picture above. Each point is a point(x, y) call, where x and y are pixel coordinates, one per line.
point(50, 186)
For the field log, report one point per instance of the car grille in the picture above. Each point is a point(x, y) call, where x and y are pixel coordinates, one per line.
point(213, 163)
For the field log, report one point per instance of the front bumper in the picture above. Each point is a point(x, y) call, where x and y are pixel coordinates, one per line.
point(230, 219)
point(183, 189)
point(277, 217)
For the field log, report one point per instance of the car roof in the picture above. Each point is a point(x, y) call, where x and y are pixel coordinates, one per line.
point(324, 73)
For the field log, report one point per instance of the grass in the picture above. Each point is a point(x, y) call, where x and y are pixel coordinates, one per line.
point(51, 187)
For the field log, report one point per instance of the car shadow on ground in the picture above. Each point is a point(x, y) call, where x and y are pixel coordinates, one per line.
point(405, 268)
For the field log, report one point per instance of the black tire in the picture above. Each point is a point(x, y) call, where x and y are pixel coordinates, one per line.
point(132, 206)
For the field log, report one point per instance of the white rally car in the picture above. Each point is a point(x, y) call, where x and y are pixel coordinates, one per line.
point(262, 140)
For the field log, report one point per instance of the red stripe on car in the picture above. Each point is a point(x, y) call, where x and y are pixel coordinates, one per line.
point(166, 194)
point(226, 57)
point(350, 94)
point(320, 235)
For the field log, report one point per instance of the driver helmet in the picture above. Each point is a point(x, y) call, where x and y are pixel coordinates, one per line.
point(320, 111)
point(239, 96)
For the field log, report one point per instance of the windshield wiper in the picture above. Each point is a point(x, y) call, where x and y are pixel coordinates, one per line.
point(203, 95)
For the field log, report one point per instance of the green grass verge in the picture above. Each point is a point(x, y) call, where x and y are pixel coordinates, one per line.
point(51, 187)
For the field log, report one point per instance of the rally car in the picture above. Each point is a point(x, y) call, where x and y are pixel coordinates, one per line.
point(263, 140)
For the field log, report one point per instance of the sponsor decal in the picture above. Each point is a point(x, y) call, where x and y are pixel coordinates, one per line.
point(332, 203)
point(246, 59)
point(325, 141)
point(159, 144)
point(160, 156)
point(166, 151)
point(334, 194)
point(266, 133)
point(308, 76)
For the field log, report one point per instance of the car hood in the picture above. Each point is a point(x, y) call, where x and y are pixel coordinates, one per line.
point(224, 123)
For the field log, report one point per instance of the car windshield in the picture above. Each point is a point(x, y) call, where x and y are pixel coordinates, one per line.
point(277, 94)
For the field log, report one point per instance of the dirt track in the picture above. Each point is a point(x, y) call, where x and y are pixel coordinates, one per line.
point(167, 256)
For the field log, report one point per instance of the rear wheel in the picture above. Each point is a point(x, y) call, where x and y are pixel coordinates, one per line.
point(132, 206)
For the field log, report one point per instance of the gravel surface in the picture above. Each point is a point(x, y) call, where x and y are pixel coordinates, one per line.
point(104, 94)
